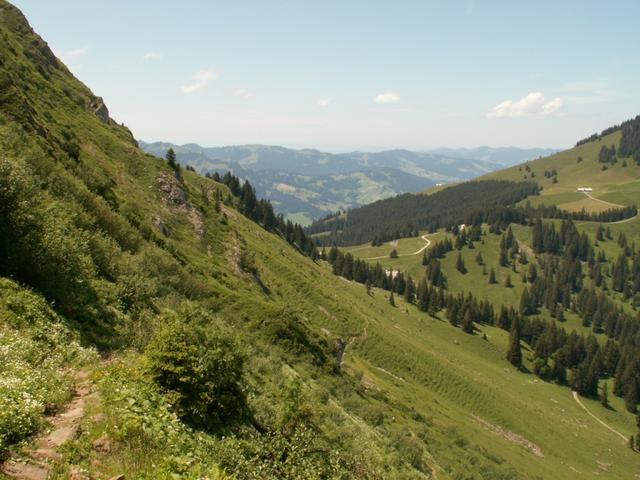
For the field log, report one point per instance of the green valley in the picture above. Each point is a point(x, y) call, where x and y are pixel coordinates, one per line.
point(156, 323)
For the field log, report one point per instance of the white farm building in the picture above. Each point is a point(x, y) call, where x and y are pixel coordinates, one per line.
point(585, 189)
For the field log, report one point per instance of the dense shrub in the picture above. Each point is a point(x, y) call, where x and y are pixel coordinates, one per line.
point(39, 243)
point(198, 367)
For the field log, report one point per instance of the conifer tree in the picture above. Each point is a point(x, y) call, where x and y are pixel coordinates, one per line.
point(492, 277)
point(467, 322)
point(392, 301)
point(504, 257)
point(514, 354)
point(171, 158)
point(460, 264)
point(532, 273)
point(604, 395)
point(507, 282)
point(409, 290)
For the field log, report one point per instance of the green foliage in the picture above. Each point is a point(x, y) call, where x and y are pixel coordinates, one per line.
point(198, 367)
point(34, 348)
point(145, 425)
point(39, 242)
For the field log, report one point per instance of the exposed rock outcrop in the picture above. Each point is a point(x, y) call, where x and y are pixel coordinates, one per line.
point(100, 109)
point(176, 198)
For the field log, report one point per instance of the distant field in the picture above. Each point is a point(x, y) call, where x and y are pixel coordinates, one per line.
point(617, 184)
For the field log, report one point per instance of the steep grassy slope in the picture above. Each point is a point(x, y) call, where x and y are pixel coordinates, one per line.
point(109, 243)
point(619, 184)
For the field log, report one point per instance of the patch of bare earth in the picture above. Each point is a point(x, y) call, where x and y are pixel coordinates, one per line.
point(510, 436)
point(176, 198)
point(36, 463)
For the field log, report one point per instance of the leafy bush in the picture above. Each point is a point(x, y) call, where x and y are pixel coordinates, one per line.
point(39, 242)
point(34, 348)
point(198, 367)
point(141, 420)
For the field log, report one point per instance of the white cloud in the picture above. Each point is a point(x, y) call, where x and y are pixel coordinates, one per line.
point(323, 102)
point(387, 97)
point(200, 80)
point(242, 93)
point(152, 56)
point(535, 104)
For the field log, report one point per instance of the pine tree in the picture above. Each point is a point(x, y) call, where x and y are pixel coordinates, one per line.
point(492, 277)
point(392, 301)
point(467, 322)
point(525, 302)
point(532, 273)
point(479, 259)
point(171, 158)
point(367, 286)
point(631, 396)
point(604, 395)
point(507, 282)
point(460, 264)
point(393, 253)
point(504, 257)
point(514, 355)
point(409, 290)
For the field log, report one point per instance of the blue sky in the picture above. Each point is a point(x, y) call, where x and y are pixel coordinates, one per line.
point(343, 75)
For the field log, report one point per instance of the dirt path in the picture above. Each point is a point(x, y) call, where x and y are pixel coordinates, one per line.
point(363, 336)
point(625, 220)
point(602, 201)
point(577, 399)
point(423, 237)
point(36, 464)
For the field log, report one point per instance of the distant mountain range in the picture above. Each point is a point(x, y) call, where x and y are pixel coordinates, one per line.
point(308, 184)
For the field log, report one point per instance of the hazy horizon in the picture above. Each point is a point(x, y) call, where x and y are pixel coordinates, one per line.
point(336, 150)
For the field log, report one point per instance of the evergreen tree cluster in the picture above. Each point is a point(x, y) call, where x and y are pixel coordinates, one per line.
point(630, 140)
point(607, 155)
point(405, 215)
point(261, 211)
point(556, 282)
point(470, 203)
point(437, 250)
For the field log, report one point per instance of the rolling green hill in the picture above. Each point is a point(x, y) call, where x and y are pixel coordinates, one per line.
point(150, 329)
point(612, 184)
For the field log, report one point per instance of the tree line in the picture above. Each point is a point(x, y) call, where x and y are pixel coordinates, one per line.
point(557, 284)
point(261, 212)
point(406, 215)
point(402, 216)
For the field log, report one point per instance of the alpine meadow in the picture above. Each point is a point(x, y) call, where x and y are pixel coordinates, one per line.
point(249, 312)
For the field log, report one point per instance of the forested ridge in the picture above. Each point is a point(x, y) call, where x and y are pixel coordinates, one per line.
point(470, 203)
point(404, 215)
point(629, 141)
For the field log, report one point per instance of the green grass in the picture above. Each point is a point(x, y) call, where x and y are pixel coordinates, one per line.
point(446, 371)
point(415, 397)
point(617, 184)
